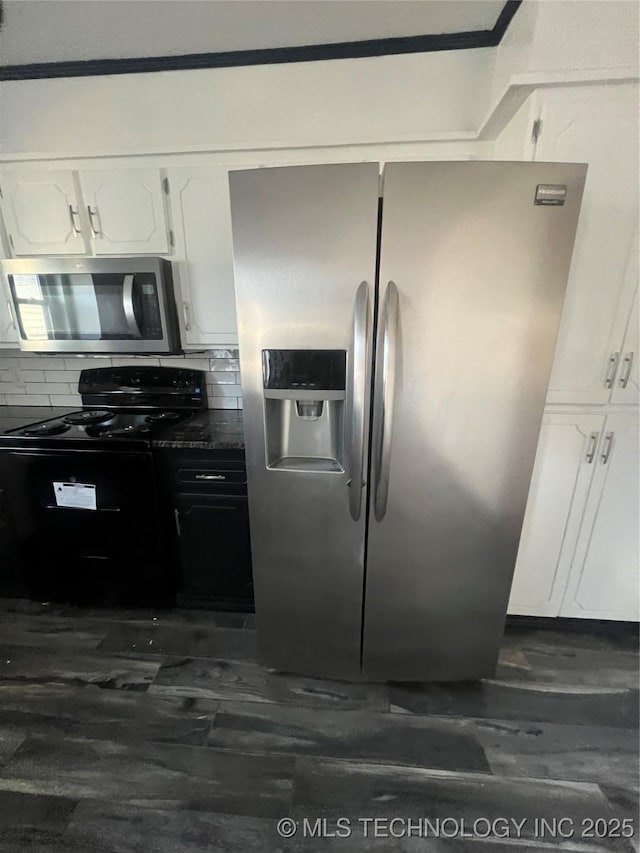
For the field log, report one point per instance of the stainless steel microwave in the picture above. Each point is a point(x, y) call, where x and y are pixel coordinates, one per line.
point(94, 305)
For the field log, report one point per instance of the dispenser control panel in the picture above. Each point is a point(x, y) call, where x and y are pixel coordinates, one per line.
point(304, 369)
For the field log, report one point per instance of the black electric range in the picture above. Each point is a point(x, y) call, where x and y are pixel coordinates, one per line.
point(81, 490)
point(120, 406)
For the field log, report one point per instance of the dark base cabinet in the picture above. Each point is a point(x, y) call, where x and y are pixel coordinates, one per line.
point(215, 556)
point(205, 498)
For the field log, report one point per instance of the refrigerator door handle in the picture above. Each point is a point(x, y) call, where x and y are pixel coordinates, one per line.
point(384, 393)
point(357, 396)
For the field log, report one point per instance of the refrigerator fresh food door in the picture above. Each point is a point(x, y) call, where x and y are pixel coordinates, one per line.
point(474, 263)
point(305, 259)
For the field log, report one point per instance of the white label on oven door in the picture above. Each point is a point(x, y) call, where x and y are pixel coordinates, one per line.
point(76, 495)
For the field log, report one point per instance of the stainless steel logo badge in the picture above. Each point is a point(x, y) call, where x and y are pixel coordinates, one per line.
point(550, 194)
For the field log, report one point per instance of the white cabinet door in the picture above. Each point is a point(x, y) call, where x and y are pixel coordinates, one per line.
point(597, 125)
point(8, 329)
point(565, 462)
point(125, 209)
point(627, 384)
point(604, 573)
point(204, 255)
point(41, 212)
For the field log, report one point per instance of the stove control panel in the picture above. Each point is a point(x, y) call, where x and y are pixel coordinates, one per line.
point(137, 386)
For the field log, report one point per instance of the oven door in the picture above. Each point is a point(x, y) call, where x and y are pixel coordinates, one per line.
point(113, 305)
point(110, 550)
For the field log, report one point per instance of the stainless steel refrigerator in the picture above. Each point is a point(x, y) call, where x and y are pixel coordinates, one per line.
point(396, 340)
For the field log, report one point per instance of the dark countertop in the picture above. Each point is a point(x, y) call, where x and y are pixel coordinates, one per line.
point(214, 429)
point(13, 417)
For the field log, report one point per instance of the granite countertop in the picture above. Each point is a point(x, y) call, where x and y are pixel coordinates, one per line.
point(13, 417)
point(214, 429)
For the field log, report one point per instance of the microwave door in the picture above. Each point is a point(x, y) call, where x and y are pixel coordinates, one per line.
point(122, 305)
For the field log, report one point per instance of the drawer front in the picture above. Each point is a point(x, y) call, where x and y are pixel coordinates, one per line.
point(196, 471)
point(209, 477)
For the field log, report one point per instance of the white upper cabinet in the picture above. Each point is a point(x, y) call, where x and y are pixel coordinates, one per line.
point(8, 328)
point(603, 583)
point(626, 388)
point(563, 471)
point(94, 211)
point(42, 213)
point(125, 211)
point(597, 125)
point(203, 260)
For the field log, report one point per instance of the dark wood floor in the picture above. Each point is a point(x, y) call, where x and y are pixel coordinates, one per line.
point(124, 732)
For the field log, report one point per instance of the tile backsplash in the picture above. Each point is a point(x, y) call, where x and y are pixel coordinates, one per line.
point(52, 380)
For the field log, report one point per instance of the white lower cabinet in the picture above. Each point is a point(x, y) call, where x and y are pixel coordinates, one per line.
point(203, 260)
point(578, 554)
point(562, 475)
point(603, 580)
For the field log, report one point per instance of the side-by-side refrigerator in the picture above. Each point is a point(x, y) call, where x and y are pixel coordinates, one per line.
point(396, 340)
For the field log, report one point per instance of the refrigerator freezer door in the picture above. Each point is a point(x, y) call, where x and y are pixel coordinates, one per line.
point(480, 270)
point(304, 241)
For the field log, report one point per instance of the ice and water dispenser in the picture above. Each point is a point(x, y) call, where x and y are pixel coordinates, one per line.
point(304, 398)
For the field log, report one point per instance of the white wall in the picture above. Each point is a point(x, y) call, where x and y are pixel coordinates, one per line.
point(449, 95)
point(382, 99)
point(585, 34)
point(556, 36)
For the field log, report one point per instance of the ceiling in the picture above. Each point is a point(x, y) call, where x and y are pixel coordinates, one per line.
point(45, 31)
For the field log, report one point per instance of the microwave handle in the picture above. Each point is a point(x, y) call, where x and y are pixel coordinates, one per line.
point(127, 303)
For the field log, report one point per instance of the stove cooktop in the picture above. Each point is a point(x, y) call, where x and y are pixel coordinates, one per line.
point(93, 425)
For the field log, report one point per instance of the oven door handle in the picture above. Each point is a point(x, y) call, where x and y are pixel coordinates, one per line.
point(99, 509)
point(127, 304)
